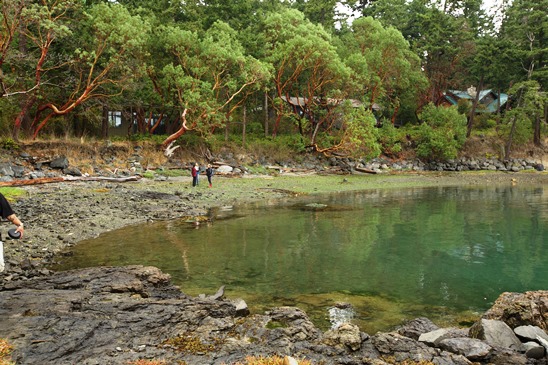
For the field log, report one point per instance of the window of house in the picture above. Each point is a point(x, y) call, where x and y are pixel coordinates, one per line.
point(114, 118)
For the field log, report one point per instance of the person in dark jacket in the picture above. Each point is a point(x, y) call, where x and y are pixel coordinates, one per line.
point(209, 174)
point(7, 213)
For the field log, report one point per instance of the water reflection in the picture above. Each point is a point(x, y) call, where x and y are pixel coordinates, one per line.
point(445, 253)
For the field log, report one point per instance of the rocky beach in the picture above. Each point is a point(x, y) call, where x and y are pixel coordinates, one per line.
point(121, 315)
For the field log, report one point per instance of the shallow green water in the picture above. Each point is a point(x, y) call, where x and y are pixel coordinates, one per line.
point(443, 253)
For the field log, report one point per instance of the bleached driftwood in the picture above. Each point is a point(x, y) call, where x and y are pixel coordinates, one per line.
point(543, 342)
point(361, 169)
point(170, 149)
point(47, 180)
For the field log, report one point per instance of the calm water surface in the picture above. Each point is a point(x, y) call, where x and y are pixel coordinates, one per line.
point(443, 253)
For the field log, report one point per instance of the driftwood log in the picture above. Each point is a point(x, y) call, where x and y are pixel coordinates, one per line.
point(361, 169)
point(47, 180)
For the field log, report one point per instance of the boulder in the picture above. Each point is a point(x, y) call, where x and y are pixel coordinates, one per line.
point(224, 169)
point(6, 170)
point(413, 329)
point(72, 171)
point(530, 333)
point(533, 350)
point(60, 162)
point(471, 348)
point(433, 338)
point(518, 309)
point(345, 335)
point(242, 309)
point(495, 333)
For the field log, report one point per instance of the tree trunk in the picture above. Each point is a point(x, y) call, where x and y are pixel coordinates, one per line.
point(498, 107)
point(474, 106)
point(510, 137)
point(178, 133)
point(266, 114)
point(104, 122)
point(23, 115)
point(536, 132)
point(244, 121)
point(29, 101)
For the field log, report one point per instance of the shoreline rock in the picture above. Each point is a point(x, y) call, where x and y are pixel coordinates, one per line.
point(114, 315)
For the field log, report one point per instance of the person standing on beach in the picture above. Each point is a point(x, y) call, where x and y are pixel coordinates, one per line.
point(7, 213)
point(195, 174)
point(209, 174)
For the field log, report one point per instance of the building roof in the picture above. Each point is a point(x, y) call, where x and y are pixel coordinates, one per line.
point(491, 105)
point(302, 102)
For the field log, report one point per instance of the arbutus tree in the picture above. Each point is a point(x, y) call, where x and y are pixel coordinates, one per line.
point(384, 67)
point(106, 60)
point(209, 75)
point(10, 21)
point(43, 24)
point(308, 73)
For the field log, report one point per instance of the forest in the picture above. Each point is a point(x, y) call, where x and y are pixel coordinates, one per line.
point(359, 78)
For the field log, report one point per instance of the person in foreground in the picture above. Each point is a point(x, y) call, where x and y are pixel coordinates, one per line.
point(6, 212)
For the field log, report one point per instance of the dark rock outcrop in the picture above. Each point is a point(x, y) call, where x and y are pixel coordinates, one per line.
point(115, 315)
point(520, 309)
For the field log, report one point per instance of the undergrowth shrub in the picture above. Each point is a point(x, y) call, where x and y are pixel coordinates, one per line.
point(391, 139)
point(8, 143)
point(441, 134)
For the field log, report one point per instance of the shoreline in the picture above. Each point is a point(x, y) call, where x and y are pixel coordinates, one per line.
point(115, 315)
point(59, 215)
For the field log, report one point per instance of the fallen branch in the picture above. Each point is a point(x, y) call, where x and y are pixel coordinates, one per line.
point(543, 342)
point(44, 180)
point(47, 180)
point(361, 169)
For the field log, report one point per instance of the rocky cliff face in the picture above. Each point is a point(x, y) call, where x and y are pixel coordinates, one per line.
point(116, 315)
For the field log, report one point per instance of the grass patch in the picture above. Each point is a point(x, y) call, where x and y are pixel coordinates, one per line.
point(12, 193)
point(148, 362)
point(269, 360)
point(173, 173)
point(151, 174)
point(190, 344)
point(392, 360)
point(5, 351)
point(148, 174)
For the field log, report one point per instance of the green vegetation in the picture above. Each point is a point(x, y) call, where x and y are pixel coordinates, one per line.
point(269, 360)
point(11, 193)
point(442, 133)
point(147, 362)
point(392, 360)
point(5, 350)
point(302, 76)
point(189, 344)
